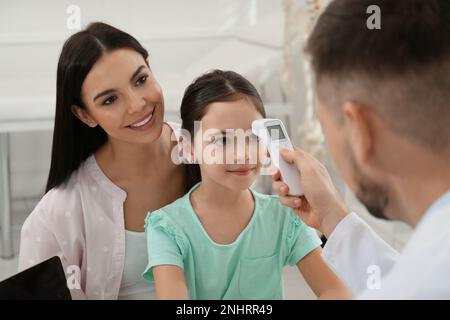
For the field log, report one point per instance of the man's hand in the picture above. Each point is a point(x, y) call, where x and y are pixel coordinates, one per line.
point(321, 206)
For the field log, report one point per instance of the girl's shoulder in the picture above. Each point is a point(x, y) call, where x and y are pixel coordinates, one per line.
point(173, 214)
point(270, 205)
point(272, 213)
point(175, 128)
point(268, 200)
point(172, 220)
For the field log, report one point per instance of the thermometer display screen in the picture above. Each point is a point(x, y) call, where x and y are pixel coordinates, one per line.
point(276, 132)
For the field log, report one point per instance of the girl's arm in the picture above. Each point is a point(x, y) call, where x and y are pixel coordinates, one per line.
point(322, 280)
point(170, 283)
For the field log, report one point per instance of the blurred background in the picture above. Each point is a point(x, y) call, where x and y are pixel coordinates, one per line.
point(261, 39)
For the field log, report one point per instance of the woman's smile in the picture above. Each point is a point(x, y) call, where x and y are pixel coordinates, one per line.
point(143, 123)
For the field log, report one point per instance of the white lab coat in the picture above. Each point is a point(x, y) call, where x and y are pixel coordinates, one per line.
point(373, 270)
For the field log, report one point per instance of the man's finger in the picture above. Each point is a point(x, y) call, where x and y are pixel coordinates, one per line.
point(293, 157)
point(280, 188)
point(276, 176)
point(291, 202)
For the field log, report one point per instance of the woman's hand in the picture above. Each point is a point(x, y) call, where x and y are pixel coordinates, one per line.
point(321, 206)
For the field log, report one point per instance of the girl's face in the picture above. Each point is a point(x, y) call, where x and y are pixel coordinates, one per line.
point(226, 130)
point(122, 96)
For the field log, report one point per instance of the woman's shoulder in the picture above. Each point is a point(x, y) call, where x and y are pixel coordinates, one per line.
point(175, 130)
point(175, 126)
point(172, 136)
point(63, 200)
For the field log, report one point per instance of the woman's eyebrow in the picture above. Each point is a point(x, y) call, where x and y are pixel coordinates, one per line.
point(103, 93)
point(137, 72)
point(108, 91)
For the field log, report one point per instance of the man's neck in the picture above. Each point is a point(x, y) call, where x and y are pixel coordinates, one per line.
point(428, 179)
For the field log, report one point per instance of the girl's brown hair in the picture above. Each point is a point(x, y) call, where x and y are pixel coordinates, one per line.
point(214, 86)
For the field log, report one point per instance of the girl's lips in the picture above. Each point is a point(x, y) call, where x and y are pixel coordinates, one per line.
point(241, 172)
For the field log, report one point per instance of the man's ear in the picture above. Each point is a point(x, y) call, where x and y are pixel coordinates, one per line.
point(359, 123)
point(84, 116)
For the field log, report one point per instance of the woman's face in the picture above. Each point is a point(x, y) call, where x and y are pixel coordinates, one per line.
point(122, 96)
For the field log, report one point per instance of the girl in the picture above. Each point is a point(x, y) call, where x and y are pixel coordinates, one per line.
point(110, 148)
point(223, 240)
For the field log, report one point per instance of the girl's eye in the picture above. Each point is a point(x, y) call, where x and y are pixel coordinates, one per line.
point(109, 101)
point(141, 80)
point(223, 141)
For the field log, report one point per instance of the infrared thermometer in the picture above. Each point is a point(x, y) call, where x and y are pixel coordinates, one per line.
point(274, 135)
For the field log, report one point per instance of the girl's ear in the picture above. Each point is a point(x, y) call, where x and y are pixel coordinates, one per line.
point(84, 116)
point(186, 150)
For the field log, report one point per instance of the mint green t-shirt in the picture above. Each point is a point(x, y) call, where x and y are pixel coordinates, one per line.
point(249, 268)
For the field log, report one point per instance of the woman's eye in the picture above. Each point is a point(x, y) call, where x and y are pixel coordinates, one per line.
point(110, 100)
point(141, 80)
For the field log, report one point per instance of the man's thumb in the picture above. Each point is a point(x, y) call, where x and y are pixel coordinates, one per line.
point(290, 156)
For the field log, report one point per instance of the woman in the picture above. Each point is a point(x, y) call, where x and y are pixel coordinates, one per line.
point(111, 164)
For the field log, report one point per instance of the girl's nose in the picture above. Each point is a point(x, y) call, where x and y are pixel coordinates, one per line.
point(242, 151)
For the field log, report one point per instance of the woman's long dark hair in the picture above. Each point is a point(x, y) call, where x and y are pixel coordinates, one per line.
point(73, 141)
point(214, 86)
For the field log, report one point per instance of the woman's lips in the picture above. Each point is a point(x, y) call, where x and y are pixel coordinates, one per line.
point(144, 123)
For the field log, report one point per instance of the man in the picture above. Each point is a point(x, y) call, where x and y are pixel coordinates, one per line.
point(383, 99)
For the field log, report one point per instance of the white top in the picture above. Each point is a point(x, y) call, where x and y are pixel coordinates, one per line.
point(133, 286)
point(373, 270)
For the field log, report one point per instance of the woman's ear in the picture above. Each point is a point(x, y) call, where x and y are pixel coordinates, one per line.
point(84, 116)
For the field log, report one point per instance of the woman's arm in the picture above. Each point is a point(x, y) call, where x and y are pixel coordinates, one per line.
point(38, 243)
point(322, 280)
point(170, 283)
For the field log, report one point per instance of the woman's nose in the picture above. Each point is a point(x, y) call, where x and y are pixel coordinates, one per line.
point(135, 103)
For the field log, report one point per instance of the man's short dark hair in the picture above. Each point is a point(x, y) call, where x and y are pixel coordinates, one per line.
point(401, 71)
